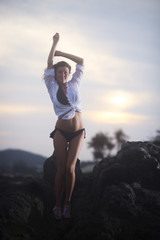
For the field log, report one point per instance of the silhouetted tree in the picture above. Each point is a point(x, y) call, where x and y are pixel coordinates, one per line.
point(156, 139)
point(110, 146)
point(100, 143)
point(120, 138)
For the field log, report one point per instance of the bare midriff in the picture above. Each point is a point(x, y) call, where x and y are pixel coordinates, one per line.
point(71, 125)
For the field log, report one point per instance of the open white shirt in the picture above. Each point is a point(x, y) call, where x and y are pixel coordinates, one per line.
point(73, 94)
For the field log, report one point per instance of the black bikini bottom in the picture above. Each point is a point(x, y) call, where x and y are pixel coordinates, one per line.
point(68, 135)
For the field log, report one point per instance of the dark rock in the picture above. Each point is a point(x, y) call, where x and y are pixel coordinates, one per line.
point(21, 212)
point(50, 168)
point(142, 161)
point(119, 200)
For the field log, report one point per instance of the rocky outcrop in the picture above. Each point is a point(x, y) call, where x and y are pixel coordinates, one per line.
point(21, 208)
point(119, 200)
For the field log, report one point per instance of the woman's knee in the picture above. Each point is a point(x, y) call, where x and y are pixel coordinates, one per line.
point(70, 169)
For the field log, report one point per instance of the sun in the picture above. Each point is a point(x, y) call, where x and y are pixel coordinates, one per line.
point(117, 108)
point(119, 100)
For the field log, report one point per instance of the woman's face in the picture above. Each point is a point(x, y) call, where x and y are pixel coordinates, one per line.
point(62, 74)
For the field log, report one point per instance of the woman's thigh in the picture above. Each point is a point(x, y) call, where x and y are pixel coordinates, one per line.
point(74, 149)
point(60, 146)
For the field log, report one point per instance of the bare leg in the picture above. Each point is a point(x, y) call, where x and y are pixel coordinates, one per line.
point(60, 146)
point(73, 152)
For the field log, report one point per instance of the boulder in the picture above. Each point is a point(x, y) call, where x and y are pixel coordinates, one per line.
point(50, 168)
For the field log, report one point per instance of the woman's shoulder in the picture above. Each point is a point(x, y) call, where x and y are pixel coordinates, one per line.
point(49, 71)
point(49, 78)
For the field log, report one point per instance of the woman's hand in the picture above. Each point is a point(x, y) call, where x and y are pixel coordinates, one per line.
point(56, 37)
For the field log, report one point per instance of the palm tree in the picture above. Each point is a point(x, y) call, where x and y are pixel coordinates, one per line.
point(156, 139)
point(120, 137)
point(100, 143)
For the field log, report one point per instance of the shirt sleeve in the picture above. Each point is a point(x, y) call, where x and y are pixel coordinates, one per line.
point(77, 76)
point(49, 77)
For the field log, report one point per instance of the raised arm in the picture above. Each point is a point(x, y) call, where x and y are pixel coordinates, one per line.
point(74, 58)
point(52, 51)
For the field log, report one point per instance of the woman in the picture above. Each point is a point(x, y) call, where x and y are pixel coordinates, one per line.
point(69, 131)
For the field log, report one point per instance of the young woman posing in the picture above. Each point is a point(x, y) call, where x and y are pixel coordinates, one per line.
point(69, 131)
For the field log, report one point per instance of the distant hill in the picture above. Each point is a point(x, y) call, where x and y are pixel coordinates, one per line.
point(10, 157)
point(15, 160)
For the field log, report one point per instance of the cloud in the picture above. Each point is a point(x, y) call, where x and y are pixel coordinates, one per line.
point(125, 100)
point(110, 117)
point(23, 109)
point(118, 107)
point(26, 42)
point(4, 133)
point(33, 36)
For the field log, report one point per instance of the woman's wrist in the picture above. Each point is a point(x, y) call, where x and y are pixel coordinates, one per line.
point(58, 53)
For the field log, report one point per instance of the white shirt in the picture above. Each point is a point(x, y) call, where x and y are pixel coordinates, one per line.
point(73, 94)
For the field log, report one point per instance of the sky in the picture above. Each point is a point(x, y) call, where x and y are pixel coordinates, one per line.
point(120, 43)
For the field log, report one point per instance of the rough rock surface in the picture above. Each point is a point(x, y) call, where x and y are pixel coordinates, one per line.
point(119, 200)
point(21, 208)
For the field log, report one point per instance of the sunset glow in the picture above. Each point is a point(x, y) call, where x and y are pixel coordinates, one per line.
point(22, 109)
point(114, 117)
